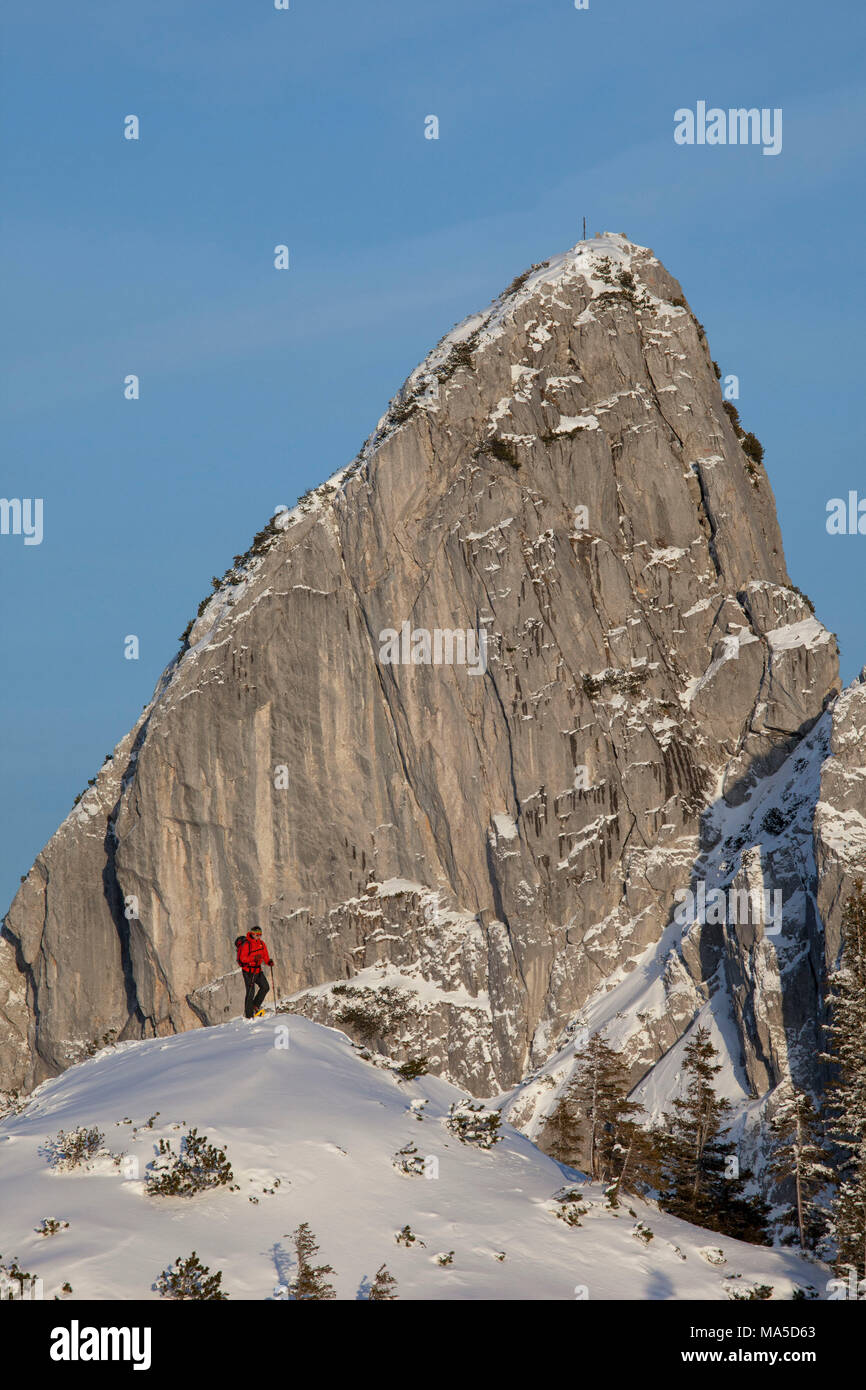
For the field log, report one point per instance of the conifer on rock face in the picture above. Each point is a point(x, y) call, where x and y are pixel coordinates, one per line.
point(799, 1156)
point(309, 1283)
point(693, 1158)
point(636, 1159)
point(589, 1123)
point(847, 1095)
point(563, 1133)
point(383, 1286)
point(700, 1183)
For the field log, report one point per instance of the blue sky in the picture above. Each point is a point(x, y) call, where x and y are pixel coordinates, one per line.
point(306, 127)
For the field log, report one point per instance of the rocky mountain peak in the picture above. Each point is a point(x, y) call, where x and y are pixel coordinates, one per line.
point(458, 728)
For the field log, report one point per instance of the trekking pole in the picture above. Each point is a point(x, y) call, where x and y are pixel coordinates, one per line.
point(274, 987)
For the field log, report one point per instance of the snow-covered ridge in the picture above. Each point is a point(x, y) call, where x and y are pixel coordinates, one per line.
point(289, 1100)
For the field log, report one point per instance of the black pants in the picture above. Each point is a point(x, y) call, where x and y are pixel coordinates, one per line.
point(256, 987)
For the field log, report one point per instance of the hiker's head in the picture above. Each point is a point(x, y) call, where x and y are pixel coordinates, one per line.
point(255, 931)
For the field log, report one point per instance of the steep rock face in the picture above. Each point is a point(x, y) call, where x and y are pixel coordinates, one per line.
point(469, 855)
point(758, 985)
point(840, 814)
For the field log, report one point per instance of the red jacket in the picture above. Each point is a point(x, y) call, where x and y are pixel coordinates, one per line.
point(253, 954)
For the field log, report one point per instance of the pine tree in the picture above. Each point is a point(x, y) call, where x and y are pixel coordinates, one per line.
point(636, 1159)
point(697, 1182)
point(849, 1217)
point(799, 1156)
point(847, 1093)
point(190, 1279)
point(588, 1125)
point(382, 1287)
point(309, 1282)
point(563, 1132)
point(693, 1161)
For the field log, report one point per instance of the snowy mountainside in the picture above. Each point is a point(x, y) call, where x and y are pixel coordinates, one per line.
point(732, 977)
point(461, 866)
point(328, 1125)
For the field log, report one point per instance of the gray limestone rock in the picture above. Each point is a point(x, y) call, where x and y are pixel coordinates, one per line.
point(453, 858)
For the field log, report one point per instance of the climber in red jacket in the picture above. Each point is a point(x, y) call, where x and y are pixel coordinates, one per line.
point(252, 955)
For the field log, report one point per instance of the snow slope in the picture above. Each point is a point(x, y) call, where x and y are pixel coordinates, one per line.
point(327, 1123)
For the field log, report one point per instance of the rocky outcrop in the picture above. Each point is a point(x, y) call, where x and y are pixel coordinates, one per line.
point(840, 814)
point(454, 858)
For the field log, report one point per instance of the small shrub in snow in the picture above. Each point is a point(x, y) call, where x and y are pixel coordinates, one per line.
point(571, 1193)
point(71, 1148)
point(49, 1226)
point(364, 1021)
point(408, 1237)
point(10, 1272)
point(308, 1283)
point(713, 1255)
point(642, 1232)
point(110, 1038)
point(570, 1207)
point(409, 1160)
point(445, 1258)
point(189, 1279)
point(415, 1066)
point(499, 1255)
point(459, 356)
point(403, 410)
point(517, 283)
point(473, 1124)
point(570, 1213)
point(746, 1293)
point(198, 1167)
point(383, 1286)
point(371, 1013)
